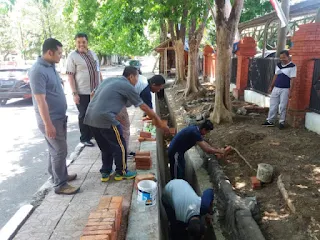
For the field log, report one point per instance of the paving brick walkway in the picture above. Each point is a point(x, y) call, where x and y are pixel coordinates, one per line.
point(64, 217)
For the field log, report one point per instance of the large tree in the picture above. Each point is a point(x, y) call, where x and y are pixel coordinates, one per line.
point(177, 27)
point(226, 25)
point(195, 36)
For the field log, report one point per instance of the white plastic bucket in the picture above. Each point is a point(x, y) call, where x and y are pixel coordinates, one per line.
point(265, 172)
point(147, 192)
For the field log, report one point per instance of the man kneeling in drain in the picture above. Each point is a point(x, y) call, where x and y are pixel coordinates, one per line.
point(186, 211)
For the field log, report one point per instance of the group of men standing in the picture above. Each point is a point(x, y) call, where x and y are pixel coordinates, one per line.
point(99, 104)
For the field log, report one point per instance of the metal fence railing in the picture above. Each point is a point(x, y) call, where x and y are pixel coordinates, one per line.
point(261, 72)
point(315, 89)
point(234, 65)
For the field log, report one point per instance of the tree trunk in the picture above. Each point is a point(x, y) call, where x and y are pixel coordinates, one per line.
point(180, 65)
point(193, 74)
point(163, 30)
point(222, 104)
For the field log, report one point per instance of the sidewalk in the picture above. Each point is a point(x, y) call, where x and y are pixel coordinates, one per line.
point(64, 217)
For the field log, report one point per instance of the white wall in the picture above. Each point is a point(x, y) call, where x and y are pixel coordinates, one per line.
point(313, 122)
point(256, 98)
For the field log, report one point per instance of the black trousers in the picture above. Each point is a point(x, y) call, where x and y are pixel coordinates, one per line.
point(85, 131)
point(178, 229)
point(112, 146)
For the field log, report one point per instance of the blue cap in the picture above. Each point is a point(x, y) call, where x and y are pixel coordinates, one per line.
point(206, 199)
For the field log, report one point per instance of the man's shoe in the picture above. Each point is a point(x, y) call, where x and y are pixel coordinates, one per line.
point(132, 154)
point(281, 126)
point(268, 124)
point(72, 177)
point(67, 189)
point(88, 143)
point(105, 177)
point(128, 175)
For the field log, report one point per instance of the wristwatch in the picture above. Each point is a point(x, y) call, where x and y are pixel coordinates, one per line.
point(74, 93)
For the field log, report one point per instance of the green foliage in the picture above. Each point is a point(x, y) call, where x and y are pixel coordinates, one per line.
point(255, 8)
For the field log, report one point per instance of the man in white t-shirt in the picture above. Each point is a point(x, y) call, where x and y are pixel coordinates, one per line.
point(185, 210)
point(285, 73)
point(144, 88)
point(84, 76)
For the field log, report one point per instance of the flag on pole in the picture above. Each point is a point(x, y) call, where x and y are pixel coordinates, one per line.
point(276, 5)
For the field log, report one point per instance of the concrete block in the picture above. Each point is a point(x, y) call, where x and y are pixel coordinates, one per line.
point(257, 98)
point(313, 122)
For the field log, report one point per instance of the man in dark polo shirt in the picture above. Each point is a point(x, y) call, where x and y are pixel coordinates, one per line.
point(285, 72)
point(50, 107)
point(110, 97)
point(183, 141)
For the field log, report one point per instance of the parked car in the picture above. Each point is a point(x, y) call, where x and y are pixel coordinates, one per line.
point(136, 64)
point(14, 83)
point(267, 54)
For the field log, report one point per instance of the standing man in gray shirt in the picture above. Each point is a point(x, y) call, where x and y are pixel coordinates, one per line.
point(111, 96)
point(50, 107)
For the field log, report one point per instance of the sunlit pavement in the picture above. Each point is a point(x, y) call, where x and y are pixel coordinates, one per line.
point(23, 151)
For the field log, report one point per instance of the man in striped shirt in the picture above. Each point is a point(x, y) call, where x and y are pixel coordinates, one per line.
point(84, 76)
point(285, 74)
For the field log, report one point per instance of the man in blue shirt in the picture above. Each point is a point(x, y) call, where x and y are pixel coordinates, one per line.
point(185, 210)
point(183, 141)
point(285, 72)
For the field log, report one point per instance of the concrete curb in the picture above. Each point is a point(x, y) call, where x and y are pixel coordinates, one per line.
point(15, 223)
point(239, 215)
point(21, 216)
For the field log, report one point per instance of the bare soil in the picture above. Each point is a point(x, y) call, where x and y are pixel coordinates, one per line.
point(294, 153)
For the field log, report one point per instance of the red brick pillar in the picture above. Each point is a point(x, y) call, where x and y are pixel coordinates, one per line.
point(246, 50)
point(208, 62)
point(306, 47)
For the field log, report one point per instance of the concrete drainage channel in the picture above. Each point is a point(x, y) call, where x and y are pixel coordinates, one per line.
point(235, 217)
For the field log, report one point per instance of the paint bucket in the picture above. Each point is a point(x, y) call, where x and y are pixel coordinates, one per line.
point(264, 172)
point(147, 192)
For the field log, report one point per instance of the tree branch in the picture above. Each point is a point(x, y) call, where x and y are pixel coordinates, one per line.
point(203, 23)
point(235, 13)
point(214, 14)
point(220, 9)
point(171, 30)
point(184, 22)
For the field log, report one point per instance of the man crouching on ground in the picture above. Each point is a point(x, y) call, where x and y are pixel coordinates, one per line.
point(110, 97)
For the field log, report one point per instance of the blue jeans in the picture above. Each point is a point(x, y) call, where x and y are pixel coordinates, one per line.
point(177, 164)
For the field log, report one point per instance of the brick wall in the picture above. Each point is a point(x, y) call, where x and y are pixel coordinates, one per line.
point(306, 47)
point(246, 49)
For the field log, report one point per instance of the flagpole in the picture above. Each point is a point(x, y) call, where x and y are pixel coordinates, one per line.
point(282, 31)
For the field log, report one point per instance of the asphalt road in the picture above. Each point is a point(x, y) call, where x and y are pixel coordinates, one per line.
point(23, 154)
point(23, 150)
